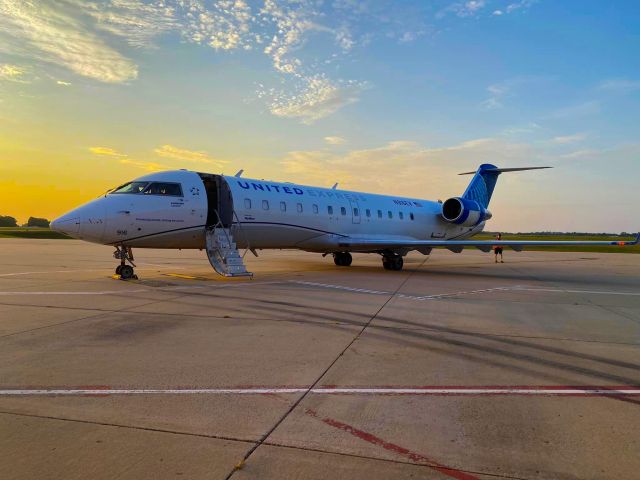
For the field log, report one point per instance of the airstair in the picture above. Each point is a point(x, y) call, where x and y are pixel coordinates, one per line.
point(223, 253)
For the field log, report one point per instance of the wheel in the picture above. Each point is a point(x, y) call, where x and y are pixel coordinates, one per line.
point(392, 262)
point(342, 259)
point(118, 269)
point(126, 272)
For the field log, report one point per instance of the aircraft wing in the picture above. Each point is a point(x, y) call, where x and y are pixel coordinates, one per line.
point(368, 244)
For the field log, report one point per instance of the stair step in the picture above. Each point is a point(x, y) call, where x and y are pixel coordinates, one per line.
point(223, 253)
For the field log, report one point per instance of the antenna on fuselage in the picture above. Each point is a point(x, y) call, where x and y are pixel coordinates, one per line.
point(240, 172)
point(335, 185)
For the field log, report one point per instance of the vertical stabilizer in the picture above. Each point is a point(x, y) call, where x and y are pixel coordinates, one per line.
point(483, 184)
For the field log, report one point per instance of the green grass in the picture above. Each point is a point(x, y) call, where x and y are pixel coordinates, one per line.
point(31, 232)
point(575, 238)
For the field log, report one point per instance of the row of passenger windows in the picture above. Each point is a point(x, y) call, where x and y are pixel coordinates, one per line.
point(316, 210)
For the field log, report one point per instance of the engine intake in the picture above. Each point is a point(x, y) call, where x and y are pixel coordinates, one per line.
point(467, 213)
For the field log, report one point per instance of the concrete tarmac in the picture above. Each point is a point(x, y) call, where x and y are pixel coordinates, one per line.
point(456, 367)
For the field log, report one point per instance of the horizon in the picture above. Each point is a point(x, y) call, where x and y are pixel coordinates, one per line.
point(384, 97)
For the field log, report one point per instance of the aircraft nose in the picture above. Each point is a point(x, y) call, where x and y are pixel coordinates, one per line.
point(69, 224)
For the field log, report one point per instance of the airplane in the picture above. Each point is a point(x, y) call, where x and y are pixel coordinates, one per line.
point(221, 214)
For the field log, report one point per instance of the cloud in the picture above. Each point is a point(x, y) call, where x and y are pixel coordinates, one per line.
point(175, 153)
point(586, 153)
point(12, 73)
point(335, 140)
point(567, 139)
point(401, 167)
point(316, 99)
point(589, 107)
point(50, 32)
point(467, 8)
point(62, 83)
point(521, 5)
point(619, 85)
point(147, 166)
point(106, 151)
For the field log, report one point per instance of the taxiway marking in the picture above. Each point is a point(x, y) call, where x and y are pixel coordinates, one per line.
point(411, 391)
point(516, 288)
point(401, 295)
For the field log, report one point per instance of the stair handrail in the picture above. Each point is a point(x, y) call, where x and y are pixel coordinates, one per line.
point(244, 233)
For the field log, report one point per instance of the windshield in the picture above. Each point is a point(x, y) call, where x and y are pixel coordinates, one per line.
point(131, 187)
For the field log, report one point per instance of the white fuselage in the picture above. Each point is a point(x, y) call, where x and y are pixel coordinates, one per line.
point(261, 215)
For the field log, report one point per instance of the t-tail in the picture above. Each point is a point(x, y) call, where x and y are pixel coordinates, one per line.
point(471, 208)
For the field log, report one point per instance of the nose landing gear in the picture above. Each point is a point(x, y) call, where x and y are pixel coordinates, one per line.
point(125, 254)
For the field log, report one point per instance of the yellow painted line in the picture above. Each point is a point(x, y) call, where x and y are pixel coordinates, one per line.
point(179, 275)
point(207, 279)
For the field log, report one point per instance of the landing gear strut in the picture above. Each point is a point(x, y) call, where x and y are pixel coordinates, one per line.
point(392, 261)
point(125, 254)
point(342, 259)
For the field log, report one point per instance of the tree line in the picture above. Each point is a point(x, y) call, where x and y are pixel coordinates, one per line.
point(8, 221)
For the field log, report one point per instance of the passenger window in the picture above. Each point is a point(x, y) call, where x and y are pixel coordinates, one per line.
point(157, 188)
point(330, 210)
point(131, 187)
point(283, 206)
point(247, 203)
point(356, 212)
point(343, 210)
point(390, 214)
point(368, 213)
point(315, 208)
point(299, 208)
point(265, 204)
point(379, 213)
point(411, 216)
point(401, 215)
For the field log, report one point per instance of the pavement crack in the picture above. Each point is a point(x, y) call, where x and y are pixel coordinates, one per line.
point(132, 427)
point(295, 404)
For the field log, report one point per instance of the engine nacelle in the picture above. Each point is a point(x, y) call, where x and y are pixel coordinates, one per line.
point(467, 213)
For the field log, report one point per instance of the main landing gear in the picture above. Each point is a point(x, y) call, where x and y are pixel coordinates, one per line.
point(342, 259)
point(392, 261)
point(125, 254)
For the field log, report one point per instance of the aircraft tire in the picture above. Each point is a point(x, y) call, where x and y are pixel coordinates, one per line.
point(118, 269)
point(126, 272)
point(392, 263)
point(342, 259)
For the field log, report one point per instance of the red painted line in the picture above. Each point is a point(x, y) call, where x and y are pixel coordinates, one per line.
point(392, 447)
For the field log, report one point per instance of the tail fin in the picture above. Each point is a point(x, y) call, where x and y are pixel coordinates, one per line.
point(484, 182)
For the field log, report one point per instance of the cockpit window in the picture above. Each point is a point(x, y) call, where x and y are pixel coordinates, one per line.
point(161, 188)
point(131, 187)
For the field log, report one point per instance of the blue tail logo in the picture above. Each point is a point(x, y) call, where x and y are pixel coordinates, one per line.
point(484, 182)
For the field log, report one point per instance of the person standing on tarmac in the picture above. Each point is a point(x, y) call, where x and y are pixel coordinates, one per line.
point(498, 249)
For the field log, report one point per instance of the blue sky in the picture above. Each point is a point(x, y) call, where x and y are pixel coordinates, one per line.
point(387, 96)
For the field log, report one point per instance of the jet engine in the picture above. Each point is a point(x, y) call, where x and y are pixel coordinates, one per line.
point(464, 212)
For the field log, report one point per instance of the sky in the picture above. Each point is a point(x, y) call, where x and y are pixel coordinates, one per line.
point(384, 96)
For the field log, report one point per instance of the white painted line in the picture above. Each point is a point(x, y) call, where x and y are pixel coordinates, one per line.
point(425, 391)
point(562, 290)
point(49, 271)
point(104, 292)
point(410, 297)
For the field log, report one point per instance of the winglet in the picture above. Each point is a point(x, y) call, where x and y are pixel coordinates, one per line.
point(240, 172)
point(335, 185)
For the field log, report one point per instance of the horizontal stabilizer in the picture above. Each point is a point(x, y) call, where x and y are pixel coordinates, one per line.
point(505, 170)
